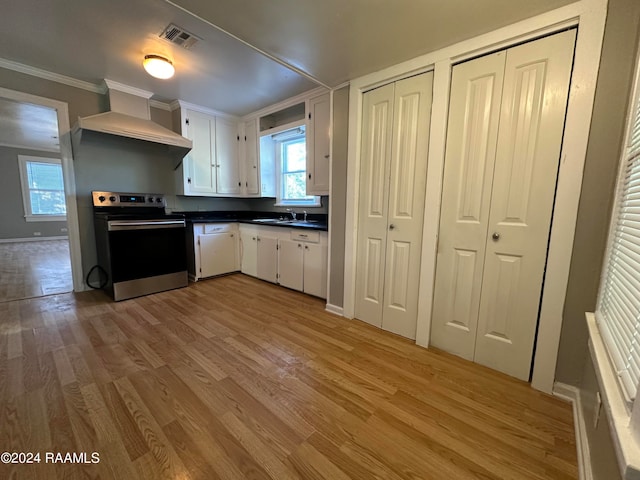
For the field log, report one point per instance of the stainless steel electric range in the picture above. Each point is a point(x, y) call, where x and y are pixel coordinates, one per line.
point(141, 249)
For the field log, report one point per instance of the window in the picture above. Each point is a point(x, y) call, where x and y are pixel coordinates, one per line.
point(618, 310)
point(42, 189)
point(291, 150)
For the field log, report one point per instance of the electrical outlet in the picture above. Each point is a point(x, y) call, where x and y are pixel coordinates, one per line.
point(597, 410)
point(36, 234)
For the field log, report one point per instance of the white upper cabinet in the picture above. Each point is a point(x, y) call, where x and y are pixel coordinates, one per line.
point(249, 168)
point(318, 144)
point(212, 167)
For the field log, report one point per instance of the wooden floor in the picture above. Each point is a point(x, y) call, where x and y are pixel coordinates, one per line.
point(34, 269)
point(234, 378)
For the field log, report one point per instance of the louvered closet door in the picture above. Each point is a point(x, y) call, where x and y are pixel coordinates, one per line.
point(391, 204)
point(497, 201)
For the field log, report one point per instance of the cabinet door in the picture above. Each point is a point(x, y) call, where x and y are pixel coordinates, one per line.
point(249, 262)
point(290, 264)
point(267, 264)
point(201, 172)
point(250, 158)
point(318, 145)
point(227, 165)
point(218, 253)
point(315, 269)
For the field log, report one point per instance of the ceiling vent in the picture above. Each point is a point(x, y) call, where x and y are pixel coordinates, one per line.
point(179, 36)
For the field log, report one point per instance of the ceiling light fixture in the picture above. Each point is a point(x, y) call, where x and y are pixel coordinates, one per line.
point(158, 66)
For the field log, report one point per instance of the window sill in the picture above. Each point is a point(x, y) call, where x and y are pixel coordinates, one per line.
point(45, 218)
point(625, 435)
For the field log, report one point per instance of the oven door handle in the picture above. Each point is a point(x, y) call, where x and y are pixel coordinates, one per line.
point(114, 225)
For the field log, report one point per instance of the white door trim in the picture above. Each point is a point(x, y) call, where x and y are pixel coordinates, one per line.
point(590, 15)
point(64, 135)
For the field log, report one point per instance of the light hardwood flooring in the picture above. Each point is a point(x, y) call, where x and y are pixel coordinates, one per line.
point(34, 269)
point(234, 378)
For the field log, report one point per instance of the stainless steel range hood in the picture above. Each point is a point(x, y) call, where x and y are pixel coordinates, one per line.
point(130, 117)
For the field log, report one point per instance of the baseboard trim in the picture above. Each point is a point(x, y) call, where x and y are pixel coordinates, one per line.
point(572, 394)
point(32, 239)
point(334, 309)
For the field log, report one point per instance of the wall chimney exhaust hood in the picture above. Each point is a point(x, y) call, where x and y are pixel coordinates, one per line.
point(129, 116)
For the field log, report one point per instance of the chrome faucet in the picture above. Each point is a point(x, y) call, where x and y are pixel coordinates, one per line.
point(292, 212)
point(305, 215)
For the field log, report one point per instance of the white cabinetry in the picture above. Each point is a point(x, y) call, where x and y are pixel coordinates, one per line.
point(211, 168)
point(293, 258)
point(216, 249)
point(249, 171)
point(267, 261)
point(249, 250)
point(291, 264)
point(318, 144)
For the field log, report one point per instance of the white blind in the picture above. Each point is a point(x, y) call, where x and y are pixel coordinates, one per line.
point(618, 311)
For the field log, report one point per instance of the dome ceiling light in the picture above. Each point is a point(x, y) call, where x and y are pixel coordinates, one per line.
point(158, 66)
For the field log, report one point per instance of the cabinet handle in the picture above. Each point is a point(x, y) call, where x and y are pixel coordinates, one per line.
point(309, 176)
point(255, 166)
point(239, 184)
point(495, 236)
point(299, 246)
point(306, 247)
point(232, 235)
point(188, 180)
point(392, 226)
point(326, 156)
point(253, 238)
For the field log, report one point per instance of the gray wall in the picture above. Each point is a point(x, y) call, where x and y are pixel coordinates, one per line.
point(12, 221)
point(339, 195)
point(603, 154)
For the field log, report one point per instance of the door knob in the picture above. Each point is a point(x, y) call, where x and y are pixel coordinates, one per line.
point(495, 236)
point(392, 226)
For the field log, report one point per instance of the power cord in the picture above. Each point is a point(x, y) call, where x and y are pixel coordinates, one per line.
point(102, 274)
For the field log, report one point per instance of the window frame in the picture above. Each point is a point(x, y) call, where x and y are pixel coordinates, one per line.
point(29, 216)
point(279, 140)
point(623, 411)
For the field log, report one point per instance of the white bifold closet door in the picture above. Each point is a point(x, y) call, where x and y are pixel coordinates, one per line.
point(504, 135)
point(395, 141)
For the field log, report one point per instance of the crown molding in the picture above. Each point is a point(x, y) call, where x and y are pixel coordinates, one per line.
point(160, 105)
point(54, 77)
point(176, 104)
point(121, 87)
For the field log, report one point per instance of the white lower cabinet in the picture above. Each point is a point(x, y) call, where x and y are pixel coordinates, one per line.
point(315, 269)
point(291, 264)
point(216, 249)
point(249, 251)
point(293, 258)
point(267, 264)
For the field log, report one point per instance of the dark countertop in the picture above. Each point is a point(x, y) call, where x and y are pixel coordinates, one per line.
point(315, 221)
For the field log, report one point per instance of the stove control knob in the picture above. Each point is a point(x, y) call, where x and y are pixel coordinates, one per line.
point(101, 198)
point(112, 198)
point(150, 200)
point(159, 200)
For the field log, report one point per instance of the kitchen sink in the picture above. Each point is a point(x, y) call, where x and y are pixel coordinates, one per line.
point(289, 221)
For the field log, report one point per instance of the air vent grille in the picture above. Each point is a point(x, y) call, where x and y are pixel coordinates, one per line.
point(179, 36)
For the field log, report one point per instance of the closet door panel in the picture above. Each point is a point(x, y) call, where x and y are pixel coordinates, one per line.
point(536, 87)
point(373, 203)
point(411, 119)
point(472, 134)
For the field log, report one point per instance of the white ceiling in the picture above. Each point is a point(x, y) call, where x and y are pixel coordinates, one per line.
point(330, 41)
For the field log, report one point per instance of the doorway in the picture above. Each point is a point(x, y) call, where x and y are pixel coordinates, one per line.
point(39, 241)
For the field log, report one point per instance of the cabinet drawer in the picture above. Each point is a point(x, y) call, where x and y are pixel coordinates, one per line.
point(305, 236)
